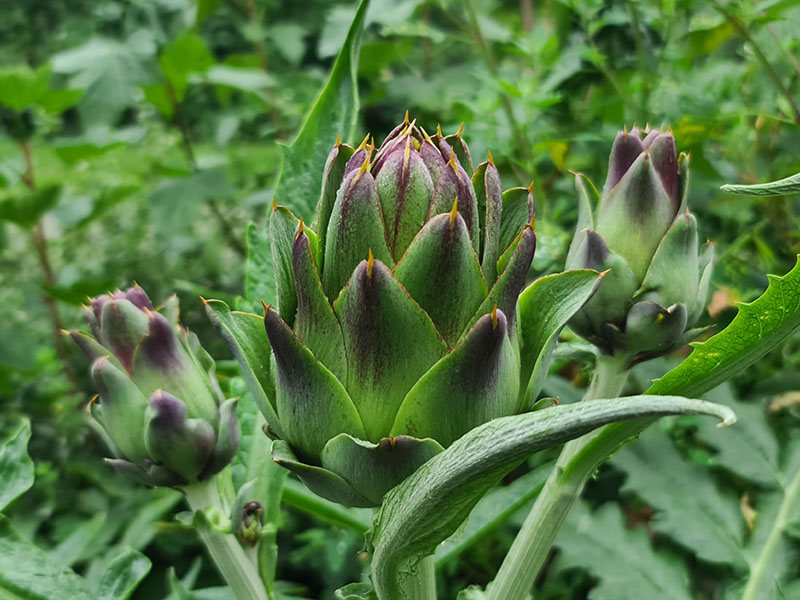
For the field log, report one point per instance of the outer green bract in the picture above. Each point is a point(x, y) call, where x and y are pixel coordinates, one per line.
point(395, 331)
point(159, 404)
point(643, 233)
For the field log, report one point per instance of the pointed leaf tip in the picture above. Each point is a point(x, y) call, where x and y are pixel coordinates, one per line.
point(491, 158)
point(405, 119)
point(370, 263)
point(460, 130)
point(494, 317)
point(338, 139)
point(454, 213)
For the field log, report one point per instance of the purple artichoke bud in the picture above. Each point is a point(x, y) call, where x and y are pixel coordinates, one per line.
point(185, 431)
point(181, 444)
point(415, 250)
point(643, 234)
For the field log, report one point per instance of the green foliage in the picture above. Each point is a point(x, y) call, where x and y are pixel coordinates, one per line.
point(542, 84)
point(740, 524)
point(622, 559)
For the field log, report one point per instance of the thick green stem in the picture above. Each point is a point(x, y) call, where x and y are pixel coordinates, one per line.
point(422, 586)
point(577, 462)
point(233, 562)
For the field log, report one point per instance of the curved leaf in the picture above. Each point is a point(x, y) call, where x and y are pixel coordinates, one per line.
point(788, 185)
point(431, 504)
point(757, 328)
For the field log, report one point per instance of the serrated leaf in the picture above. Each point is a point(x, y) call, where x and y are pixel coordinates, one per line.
point(658, 473)
point(123, 575)
point(430, 505)
point(16, 467)
point(750, 449)
point(781, 187)
point(27, 572)
point(621, 559)
point(335, 111)
point(758, 327)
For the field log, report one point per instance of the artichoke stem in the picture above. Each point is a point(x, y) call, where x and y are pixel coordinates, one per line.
point(575, 465)
point(232, 561)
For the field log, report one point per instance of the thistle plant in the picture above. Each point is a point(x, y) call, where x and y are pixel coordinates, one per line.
point(395, 331)
point(641, 232)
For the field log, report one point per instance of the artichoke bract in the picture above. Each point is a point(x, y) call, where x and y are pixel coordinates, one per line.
point(641, 232)
point(395, 329)
point(159, 403)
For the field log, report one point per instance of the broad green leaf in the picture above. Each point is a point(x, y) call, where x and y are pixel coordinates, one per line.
point(544, 309)
point(21, 87)
point(26, 209)
point(430, 505)
point(183, 57)
point(781, 187)
point(16, 467)
point(758, 327)
point(704, 521)
point(621, 559)
point(28, 573)
point(259, 282)
point(123, 575)
point(335, 112)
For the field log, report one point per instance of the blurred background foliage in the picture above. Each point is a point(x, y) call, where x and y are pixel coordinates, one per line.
point(142, 136)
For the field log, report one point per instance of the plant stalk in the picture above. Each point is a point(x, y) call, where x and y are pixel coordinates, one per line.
point(232, 561)
point(423, 585)
point(577, 462)
point(43, 253)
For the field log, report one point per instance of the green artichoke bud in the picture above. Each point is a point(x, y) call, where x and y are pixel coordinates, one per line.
point(644, 235)
point(158, 402)
point(395, 331)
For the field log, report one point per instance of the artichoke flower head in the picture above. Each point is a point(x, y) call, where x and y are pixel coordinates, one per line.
point(642, 232)
point(159, 404)
point(395, 330)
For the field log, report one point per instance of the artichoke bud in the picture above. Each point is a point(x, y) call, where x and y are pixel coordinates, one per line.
point(642, 234)
point(158, 401)
point(411, 291)
point(250, 523)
